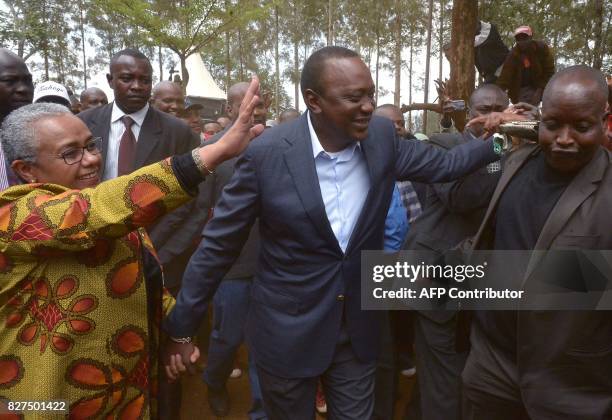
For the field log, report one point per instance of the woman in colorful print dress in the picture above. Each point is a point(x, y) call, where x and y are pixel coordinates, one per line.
point(81, 294)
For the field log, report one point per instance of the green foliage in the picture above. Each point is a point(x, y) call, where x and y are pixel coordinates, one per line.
point(238, 37)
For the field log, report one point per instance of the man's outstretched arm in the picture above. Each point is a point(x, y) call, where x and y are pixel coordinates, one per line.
point(417, 161)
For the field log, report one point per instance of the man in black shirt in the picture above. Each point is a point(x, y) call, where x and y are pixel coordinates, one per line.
point(558, 194)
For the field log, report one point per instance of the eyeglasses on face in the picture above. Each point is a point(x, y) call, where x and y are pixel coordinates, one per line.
point(74, 155)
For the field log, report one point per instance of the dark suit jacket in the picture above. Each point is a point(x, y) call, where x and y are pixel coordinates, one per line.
point(161, 135)
point(305, 286)
point(564, 357)
point(453, 211)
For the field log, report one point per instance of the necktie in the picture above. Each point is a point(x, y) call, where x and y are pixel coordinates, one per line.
point(127, 147)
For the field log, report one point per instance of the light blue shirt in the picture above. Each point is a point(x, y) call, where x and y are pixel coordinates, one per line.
point(396, 224)
point(344, 181)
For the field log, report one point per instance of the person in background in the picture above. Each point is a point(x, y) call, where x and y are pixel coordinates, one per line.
point(16, 90)
point(168, 97)
point(75, 103)
point(210, 129)
point(191, 115)
point(232, 299)
point(288, 115)
point(410, 192)
point(51, 92)
point(224, 121)
point(490, 52)
point(452, 212)
point(93, 97)
point(527, 69)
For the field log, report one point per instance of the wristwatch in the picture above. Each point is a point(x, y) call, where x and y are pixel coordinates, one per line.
point(181, 340)
point(501, 144)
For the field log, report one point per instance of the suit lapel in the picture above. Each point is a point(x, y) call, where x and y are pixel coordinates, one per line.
point(581, 187)
point(300, 163)
point(100, 127)
point(148, 138)
point(513, 164)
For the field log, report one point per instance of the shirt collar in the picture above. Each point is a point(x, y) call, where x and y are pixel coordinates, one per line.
point(137, 116)
point(317, 149)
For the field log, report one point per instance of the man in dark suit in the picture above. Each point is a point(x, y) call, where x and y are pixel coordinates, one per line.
point(320, 187)
point(555, 195)
point(152, 135)
point(134, 135)
point(453, 212)
point(16, 90)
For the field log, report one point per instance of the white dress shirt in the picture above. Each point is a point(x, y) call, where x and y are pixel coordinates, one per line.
point(117, 129)
point(344, 181)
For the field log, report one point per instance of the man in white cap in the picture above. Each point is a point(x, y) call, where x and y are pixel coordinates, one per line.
point(527, 69)
point(52, 92)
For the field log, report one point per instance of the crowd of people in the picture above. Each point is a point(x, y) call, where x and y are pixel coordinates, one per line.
point(121, 222)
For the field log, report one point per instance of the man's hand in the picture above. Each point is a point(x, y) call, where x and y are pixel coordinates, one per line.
point(531, 112)
point(520, 111)
point(237, 138)
point(179, 358)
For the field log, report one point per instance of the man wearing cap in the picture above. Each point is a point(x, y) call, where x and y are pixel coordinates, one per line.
point(527, 69)
point(52, 92)
point(190, 113)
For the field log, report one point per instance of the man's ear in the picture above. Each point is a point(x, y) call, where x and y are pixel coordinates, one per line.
point(312, 99)
point(24, 170)
point(109, 79)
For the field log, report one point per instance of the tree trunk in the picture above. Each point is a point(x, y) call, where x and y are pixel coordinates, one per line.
point(462, 75)
point(441, 40)
point(82, 28)
point(277, 64)
point(241, 74)
point(330, 22)
point(398, 53)
point(598, 34)
point(410, 42)
point(184, 72)
point(427, 62)
point(296, 74)
point(160, 58)
point(377, 60)
point(228, 60)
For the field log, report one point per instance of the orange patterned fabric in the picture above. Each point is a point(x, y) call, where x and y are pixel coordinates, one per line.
point(74, 318)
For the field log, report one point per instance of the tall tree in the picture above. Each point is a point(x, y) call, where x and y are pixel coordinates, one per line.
point(441, 39)
point(276, 63)
point(462, 71)
point(183, 26)
point(428, 60)
point(399, 43)
point(598, 10)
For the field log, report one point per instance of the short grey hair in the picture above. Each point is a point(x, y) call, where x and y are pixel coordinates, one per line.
point(19, 140)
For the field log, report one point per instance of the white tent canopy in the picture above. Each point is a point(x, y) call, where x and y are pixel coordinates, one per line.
point(201, 83)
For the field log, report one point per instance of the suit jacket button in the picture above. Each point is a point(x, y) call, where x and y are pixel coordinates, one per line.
point(340, 298)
